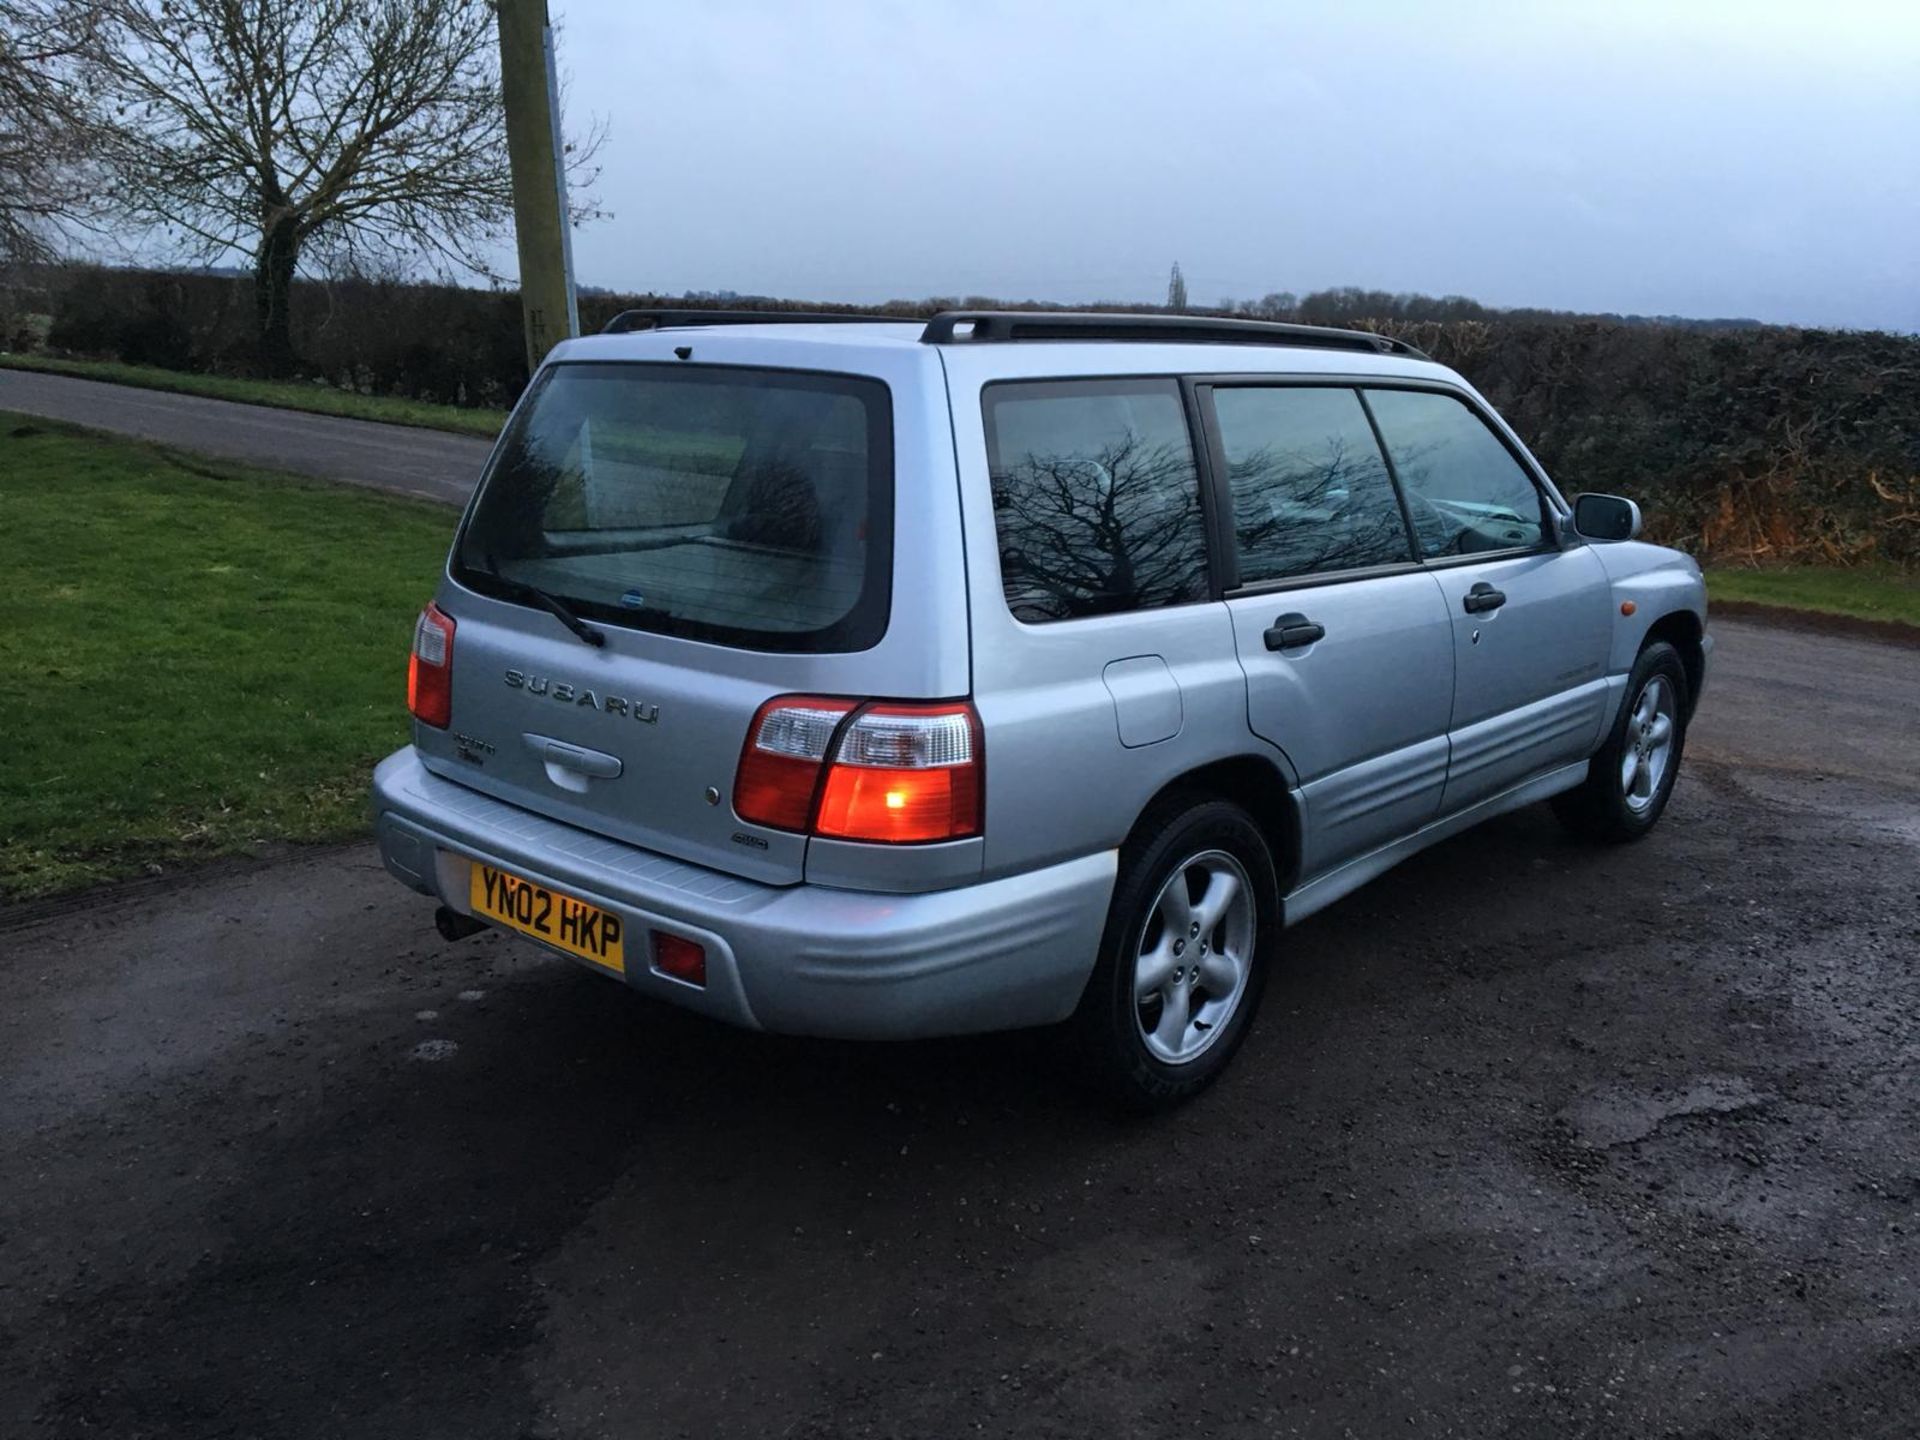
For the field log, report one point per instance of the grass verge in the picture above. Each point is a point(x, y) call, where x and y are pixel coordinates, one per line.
point(195, 658)
point(284, 394)
point(1865, 593)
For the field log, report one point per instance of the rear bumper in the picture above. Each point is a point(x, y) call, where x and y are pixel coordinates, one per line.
point(800, 959)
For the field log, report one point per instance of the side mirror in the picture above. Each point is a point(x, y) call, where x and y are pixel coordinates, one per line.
point(1605, 517)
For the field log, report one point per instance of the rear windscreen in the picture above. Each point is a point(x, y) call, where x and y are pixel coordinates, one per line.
point(745, 507)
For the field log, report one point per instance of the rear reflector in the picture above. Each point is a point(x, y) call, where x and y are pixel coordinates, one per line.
point(430, 669)
point(679, 958)
point(897, 774)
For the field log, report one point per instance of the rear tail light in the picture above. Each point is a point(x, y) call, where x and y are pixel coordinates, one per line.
point(896, 774)
point(903, 773)
point(430, 669)
point(780, 768)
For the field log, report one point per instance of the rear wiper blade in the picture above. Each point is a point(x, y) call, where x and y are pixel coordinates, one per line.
point(552, 604)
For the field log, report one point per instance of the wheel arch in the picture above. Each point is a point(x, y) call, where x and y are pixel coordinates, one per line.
point(1683, 630)
point(1256, 785)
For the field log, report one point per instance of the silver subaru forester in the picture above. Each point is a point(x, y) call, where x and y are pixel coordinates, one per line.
point(886, 680)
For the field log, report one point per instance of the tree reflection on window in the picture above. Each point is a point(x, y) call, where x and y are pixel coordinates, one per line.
point(1311, 494)
point(1096, 498)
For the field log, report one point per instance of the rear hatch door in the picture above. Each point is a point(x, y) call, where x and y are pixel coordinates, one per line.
point(729, 531)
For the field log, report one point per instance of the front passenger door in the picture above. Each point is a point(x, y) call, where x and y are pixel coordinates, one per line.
point(1531, 622)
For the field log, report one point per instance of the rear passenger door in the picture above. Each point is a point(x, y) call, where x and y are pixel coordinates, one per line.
point(1343, 635)
point(1531, 621)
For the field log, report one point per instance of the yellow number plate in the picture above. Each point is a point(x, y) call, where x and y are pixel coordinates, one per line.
point(560, 920)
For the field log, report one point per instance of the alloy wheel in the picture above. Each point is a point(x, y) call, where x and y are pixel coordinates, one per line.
point(1649, 744)
point(1195, 957)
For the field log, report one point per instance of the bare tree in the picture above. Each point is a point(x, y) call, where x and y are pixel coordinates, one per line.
point(355, 132)
point(44, 175)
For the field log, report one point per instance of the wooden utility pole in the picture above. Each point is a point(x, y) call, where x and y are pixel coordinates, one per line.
point(531, 95)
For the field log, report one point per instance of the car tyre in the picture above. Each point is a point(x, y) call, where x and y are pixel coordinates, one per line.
point(1632, 776)
point(1185, 954)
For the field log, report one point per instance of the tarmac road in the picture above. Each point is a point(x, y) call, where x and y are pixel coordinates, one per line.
point(403, 458)
point(1531, 1139)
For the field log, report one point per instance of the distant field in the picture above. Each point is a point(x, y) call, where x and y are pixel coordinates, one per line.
point(195, 657)
point(1865, 593)
point(315, 398)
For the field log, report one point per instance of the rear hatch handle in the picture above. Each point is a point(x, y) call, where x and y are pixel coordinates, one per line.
point(572, 767)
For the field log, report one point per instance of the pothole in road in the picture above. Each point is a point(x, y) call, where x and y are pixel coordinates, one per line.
point(1616, 1117)
point(434, 1050)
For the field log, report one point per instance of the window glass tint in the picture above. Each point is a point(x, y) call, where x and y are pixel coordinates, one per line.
point(1096, 497)
point(1310, 491)
point(1464, 489)
point(741, 506)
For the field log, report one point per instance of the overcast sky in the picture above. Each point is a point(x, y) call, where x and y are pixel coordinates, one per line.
point(1755, 159)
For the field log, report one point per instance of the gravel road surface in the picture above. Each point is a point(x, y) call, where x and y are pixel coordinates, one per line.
point(1531, 1139)
point(402, 458)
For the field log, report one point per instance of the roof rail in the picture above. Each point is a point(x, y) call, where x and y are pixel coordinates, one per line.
point(951, 327)
point(629, 320)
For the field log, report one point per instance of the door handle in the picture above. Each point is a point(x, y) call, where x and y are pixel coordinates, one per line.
point(1293, 629)
point(572, 767)
point(1483, 597)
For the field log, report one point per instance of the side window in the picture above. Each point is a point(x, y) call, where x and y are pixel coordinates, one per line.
point(1464, 489)
point(1096, 497)
point(1310, 491)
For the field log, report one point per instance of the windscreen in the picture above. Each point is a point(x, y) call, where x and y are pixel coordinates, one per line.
point(744, 507)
